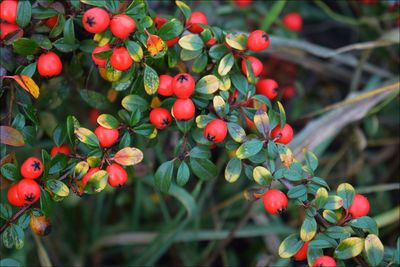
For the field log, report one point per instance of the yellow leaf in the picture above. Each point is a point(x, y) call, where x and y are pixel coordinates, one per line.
point(27, 83)
point(155, 45)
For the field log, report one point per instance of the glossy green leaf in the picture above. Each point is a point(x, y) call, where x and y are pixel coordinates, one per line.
point(333, 203)
point(108, 121)
point(135, 50)
point(349, 248)
point(237, 132)
point(183, 174)
point(87, 137)
point(133, 102)
point(346, 192)
point(207, 84)
point(163, 176)
point(10, 171)
point(170, 30)
point(191, 42)
point(184, 8)
point(203, 168)
point(290, 245)
point(249, 148)
point(69, 31)
point(25, 46)
point(57, 187)
point(97, 182)
point(237, 41)
point(365, 223)
point(262, 176)
point(24, 13)
point(80, 170)
point(233, 170)
point(321, 197)
point(308, 229)
point(226, 64)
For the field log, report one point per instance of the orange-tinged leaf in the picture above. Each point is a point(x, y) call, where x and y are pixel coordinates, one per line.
point(27, 83)
point(156, 46)
point(128, 156)
point(11, 136)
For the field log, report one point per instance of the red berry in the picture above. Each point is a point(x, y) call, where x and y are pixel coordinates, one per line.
point(183, 85)
point(359, 207)
point(13, 198)
point(268, 88)
point(32, 168)
point(256, 65)
point(95, 20)
point(122, 26)
point(93, 115)
point(160, 118)
point(284, 135)
point(302, 253)
point(293, 21)
point(117, 176)
point(63, 149)
point(165, 85)
point(183, 109)
point(107, 137)
point(258, 40)
point(51, 22)
point(215, 131)
point(120, 59)
point(87, 176)
point(242, 3)
point(212, 41)
point(324, 261)
point(28, 191)
point(288, 91)
point(172, 41)
point(6, 29)
point(49, 64)
point(100, 62)
point(275, 201)
point(194, 20)
point(8, 11)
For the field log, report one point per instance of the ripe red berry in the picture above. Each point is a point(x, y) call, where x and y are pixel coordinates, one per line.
point(12, 196)
point(6, 29)
point(194, 20)
point(293, 21)
point(256, 65)
point(258, 40)
point(172, 41)
point(215, 131)
point(302, 253)
point(32, 168)
point(98, 61)
point(95, 20)
point(122, 26)
point(212, 41)
point(165, 85)
point(275, 201)
point(63, 149)
point(28, 191)
point(183, 85)
point(120, 59)
point(242, 3)
point(268, 88)
point(183, 109)
point(87, 176)
point(284, 135)
point(359, 207)
point(8, 11)
point(51, 22)
point(324, 261)
point(93, 115)
point(288, 91)
point(107, 137)
point(117, 176)
point(49, 64)
point(160, 118)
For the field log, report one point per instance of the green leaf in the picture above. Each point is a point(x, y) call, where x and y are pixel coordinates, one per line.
point(322, 241)
point(183, 174)
point(59, 135)
point(163, 176)
point(200, 152)
point(98, 3)
point(187, 55)
point(298, 191)
point(8, 237)
point(191, 42)
point(8, 262)
point(308, 229)
point(10, 136)
point(69, 31)
point(249, 148)
point(218, 51)
point(185, 9)
point(237, 132)
point(25, 46)
point(203, 168)
point(272, 14)
point(86, 136)
point(262, 176)
point(108, 121)
point(261, 120)
point(290, 245)
point(200, 63)
point(170, 30)
point(64, 47)
point(337, 232)
point(220, 106)
point(59, 27)
point(373, 249)
point(80, 170)
point(151, 80)
point(57, 187)
point(209, 84)
point(72, 123)
point(233, 170)
point(330, 216)
point(94, 99)
point(97, 182)
point(240, 83)
point(365, 223)
point(10, 171)
point(144, 129)
point(226, 64)
point(346, 192)
point(333, 203)
point(185, 125)
point(24, 13)
point(128, 156)
point(237, 41)
point(282, 114)
point(5, 211)
point(46, 204)
point(134, 50)
point(321, 198)
point(311, 160)
point(133, 102)
point(349, 248)
point(57, 163)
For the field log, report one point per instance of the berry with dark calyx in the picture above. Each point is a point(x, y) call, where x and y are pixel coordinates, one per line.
point(275, 201)
point(293, 21)
point(49, 64)
point(87, 176)
point(193, 22)
point(40, 225)
point(6, 29)
point(256, 65)
point(360, 206)
point(282, 135)
point(258, 40)
point(117, 176)
point(51, 22)
point(302, 253)
point(28, 191)
point(120, 59)
point(13, 197)
point(183, 85)
point(268, 88)
point(32, 168)
point(324, 261)
point(8, 11)
point(95, 20)
point(107, 137)
point(165, 85)
point(63, 149)
point(122, 26)
point(215, 131)
point(183, 109)
point(98, 61)
point(160, 118)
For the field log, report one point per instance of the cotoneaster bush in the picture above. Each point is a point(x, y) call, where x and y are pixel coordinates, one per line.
point(210, 103)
